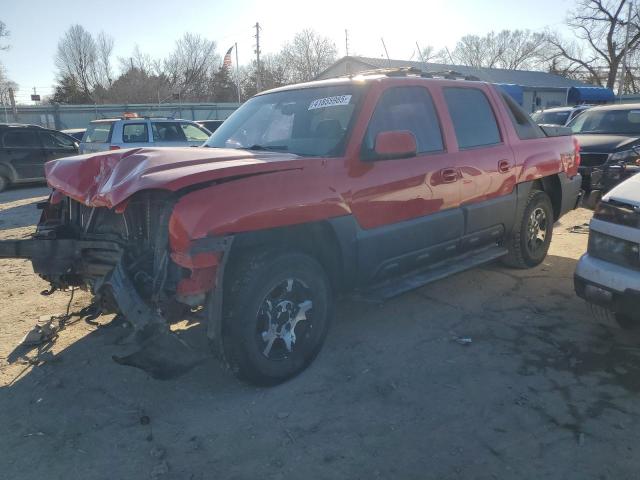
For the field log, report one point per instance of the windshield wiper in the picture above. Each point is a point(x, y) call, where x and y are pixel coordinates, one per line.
point(267, 148)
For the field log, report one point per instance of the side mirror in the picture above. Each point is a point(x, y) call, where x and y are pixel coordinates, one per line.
point(395, 144)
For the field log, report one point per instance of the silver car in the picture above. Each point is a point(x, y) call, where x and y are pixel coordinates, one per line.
point(608, 275)
point(131, 132)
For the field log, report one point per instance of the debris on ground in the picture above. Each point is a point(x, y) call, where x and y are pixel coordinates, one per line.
point(40, 333)
point(583, 228)
point(160, 470)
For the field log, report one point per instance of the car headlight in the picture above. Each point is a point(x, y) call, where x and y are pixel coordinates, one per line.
point(626, 156)
point(614, 250)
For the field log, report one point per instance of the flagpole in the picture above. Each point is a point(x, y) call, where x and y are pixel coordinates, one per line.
point(237, 72)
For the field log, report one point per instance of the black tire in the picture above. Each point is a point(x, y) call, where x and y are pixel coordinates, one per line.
point(625, 322)
point(525, 251)
point(258, 290)
point(4, 183)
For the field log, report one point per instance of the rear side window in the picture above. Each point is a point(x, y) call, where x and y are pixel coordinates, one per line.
point(99, 132)
point(135, 133)
point(526, 128)
point(473, 119)
point(20, 139)
point(193, 133)
point(57, 140)
point(406, 108)
point(167, 132)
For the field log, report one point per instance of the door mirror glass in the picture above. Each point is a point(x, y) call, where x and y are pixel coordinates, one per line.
point(395, 144)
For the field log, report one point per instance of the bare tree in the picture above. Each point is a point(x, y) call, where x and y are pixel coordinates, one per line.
point(600, 28)
point(509, 49)
point(191, 66)
point(307, 55)
point(77, 57)
point(4, 33)
point(104, 49)
point(5, 85)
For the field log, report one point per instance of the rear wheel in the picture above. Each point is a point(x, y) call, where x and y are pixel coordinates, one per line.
point(277, 311)
point(625, 322)
point(529, 243)
point(4, 183)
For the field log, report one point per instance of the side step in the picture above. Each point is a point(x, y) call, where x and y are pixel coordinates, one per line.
point(395, 286)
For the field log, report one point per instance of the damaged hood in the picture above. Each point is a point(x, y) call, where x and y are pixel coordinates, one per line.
point(627, 192)
point(108, 178)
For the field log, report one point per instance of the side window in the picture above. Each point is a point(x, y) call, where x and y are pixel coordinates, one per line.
point(20, 138)
point(56, 140)
point(135, 133)
point(167, 132)
point(525, 127)
point(473, 119)
point(406, 108)
point(193, 133)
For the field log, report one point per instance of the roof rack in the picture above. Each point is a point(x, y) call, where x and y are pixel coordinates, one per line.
point(407, 71)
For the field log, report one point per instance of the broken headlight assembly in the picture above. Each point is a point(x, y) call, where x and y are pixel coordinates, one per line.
point(614, 250)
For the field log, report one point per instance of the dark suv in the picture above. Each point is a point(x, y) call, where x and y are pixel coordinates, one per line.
point(24, 149)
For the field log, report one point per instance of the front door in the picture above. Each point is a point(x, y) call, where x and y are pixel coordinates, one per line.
point(57, 145)
point(407, 209)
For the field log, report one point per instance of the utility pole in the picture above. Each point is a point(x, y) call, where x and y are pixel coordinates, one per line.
point(237, 72)
point(624, 53)
point(258, 83)
point(14, 110)
point(346, 41)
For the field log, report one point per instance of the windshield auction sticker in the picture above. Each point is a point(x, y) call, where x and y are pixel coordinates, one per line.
point(330, 102)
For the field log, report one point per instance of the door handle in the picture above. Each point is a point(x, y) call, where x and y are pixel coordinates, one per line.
point(504, 166)
point(449, 175)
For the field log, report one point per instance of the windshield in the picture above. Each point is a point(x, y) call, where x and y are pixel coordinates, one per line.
point(621, 122)
point(308, 121)
point(551, 118)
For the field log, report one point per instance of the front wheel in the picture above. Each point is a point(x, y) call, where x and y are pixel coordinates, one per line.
point(626, 322)
point(531, 237)
point(277, 310)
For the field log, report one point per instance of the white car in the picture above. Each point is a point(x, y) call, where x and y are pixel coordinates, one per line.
point(608, 275)
point(558, 115)
point(132, 131)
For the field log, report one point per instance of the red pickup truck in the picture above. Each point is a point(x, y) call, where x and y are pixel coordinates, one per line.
point(375, 184)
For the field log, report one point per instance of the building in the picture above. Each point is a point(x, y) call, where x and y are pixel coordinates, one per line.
point(533, 90)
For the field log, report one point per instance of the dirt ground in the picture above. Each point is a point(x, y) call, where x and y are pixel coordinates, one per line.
point(543, 390)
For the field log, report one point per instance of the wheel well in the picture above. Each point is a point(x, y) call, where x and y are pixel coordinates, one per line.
point(316, 239)
point(7, 172)
point(552, 187)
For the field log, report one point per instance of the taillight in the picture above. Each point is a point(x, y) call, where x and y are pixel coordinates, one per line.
point(114, 147)
point(576, 152)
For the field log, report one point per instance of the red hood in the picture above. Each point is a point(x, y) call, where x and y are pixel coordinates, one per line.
point(107, 179)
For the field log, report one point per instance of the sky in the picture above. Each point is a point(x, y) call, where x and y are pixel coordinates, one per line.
point(154, 25)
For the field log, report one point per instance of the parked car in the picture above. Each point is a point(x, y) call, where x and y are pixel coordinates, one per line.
point(133, 131)
point(558, 115)
point(377, 184)
point(609, 138)
point(24, 149)
point(608, 275)
point(76, 133)
point(211, 125)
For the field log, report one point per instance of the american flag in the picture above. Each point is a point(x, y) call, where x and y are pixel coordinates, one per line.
point(226, 63)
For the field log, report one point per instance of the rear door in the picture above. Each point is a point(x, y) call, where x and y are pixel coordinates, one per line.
point(24, 153)
point(135, 134)
point(407, 208)
point(486, 164)
point(57, 145)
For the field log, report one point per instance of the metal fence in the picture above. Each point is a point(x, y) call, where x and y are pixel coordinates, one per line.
point(78, 116)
